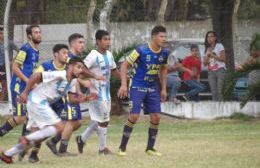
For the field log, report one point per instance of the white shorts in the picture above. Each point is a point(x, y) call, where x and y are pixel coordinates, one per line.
point(41, 115)
point(100, 110)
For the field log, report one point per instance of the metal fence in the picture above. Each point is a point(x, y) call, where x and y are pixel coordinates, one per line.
point(129, 22)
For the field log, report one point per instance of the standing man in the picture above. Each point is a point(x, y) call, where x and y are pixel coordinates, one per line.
point(12, 46)
point(100, 61)
point(149, 60)
point(23, 66)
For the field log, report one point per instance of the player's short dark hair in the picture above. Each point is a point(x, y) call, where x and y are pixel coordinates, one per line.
point(157, 29)
point(74, 36)
point(1, 28)
point(100, 34)
point(194, 46)
point(75, 60)
point(58, 47)
point(29, 29)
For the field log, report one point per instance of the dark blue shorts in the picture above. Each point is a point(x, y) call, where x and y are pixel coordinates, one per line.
point(18, 108)
point(71, 111)
point(150, 98)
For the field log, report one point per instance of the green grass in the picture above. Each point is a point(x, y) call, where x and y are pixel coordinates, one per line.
point(184, 144)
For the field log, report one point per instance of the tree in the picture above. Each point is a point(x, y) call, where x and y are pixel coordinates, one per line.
point(90, 26)
point(222, 20)
point(160, 18)
point(105, 15)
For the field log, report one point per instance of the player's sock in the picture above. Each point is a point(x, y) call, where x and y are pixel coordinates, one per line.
point(25, 131)
point(102, 135)
point(152, 133)
point(43, 133)
point(8, 125)
point(56, 139)
point(14, 150)
point(63, 146)
point(36, 149)
point(93, 126)
point(128, 128)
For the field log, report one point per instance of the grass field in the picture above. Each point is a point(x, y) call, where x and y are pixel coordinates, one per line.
point(184, 144)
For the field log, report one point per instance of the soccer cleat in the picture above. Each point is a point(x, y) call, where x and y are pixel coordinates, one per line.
point(121, 152)
point(33, 158)
point(186, 98)
point(153, 152)
point(66, 154)
point(105, 151)
point(6, 159)
point(52, 147)
point(21, 155)
point(80, 144)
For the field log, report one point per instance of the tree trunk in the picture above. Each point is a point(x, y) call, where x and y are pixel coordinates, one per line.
point(160, 18)
point(236, 40)
point(90, 26)
point(222, 19)
point(152, 8)
point(105, 15)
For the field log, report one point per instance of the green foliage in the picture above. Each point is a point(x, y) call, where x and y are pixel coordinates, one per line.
point(241, 116)
point(121, 53)
point(255, 42)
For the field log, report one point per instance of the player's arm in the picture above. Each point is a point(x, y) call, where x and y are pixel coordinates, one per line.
point(34, 79)
point(163, 76)
point(130, 60)
point(17, 63)
point(115, 73)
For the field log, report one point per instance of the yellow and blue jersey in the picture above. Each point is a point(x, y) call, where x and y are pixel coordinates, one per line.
point(146, 64)
point(28, 58)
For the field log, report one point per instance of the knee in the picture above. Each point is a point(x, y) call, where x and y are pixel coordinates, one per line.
point(59, 128)
point(20, 120)
point(155, 118)
point(133, 118)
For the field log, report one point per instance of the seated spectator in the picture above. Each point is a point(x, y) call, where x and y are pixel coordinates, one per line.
point(191, 65)
point(173, 79)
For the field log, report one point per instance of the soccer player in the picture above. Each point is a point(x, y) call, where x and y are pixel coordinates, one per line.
point(148, 60)
point(23, 66)
point(71, 113)
point(59, 62)
point(51, 86)
point(100, 61)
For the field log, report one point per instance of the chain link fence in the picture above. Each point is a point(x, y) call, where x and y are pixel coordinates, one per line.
point(128, 22)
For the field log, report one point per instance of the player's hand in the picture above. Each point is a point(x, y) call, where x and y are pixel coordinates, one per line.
point(100, 77)
point(163, 95)
point(122, 92)
point(92, 96)
point(23, 98)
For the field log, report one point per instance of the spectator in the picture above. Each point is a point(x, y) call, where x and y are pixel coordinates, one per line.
point(12, 46)
point(191, 66)
point(215, 60)
point(173, 79)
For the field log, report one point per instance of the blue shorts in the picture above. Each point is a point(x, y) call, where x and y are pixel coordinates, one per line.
point(150, 98)
point(18, 108)
point(71, 111)
point(58, 107)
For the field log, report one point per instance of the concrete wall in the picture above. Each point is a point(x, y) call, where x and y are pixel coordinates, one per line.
point(127, 33)
point(209, 109)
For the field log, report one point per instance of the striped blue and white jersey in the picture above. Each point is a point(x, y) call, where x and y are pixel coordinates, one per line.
point(101, 65)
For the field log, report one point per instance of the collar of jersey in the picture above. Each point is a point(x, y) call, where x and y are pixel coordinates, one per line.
point(154, 50)
point(59, 69)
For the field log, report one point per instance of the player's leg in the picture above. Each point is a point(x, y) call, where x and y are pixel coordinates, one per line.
point(19, 116)
point(81, 139)
point(152, 105)
point(136, 99)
